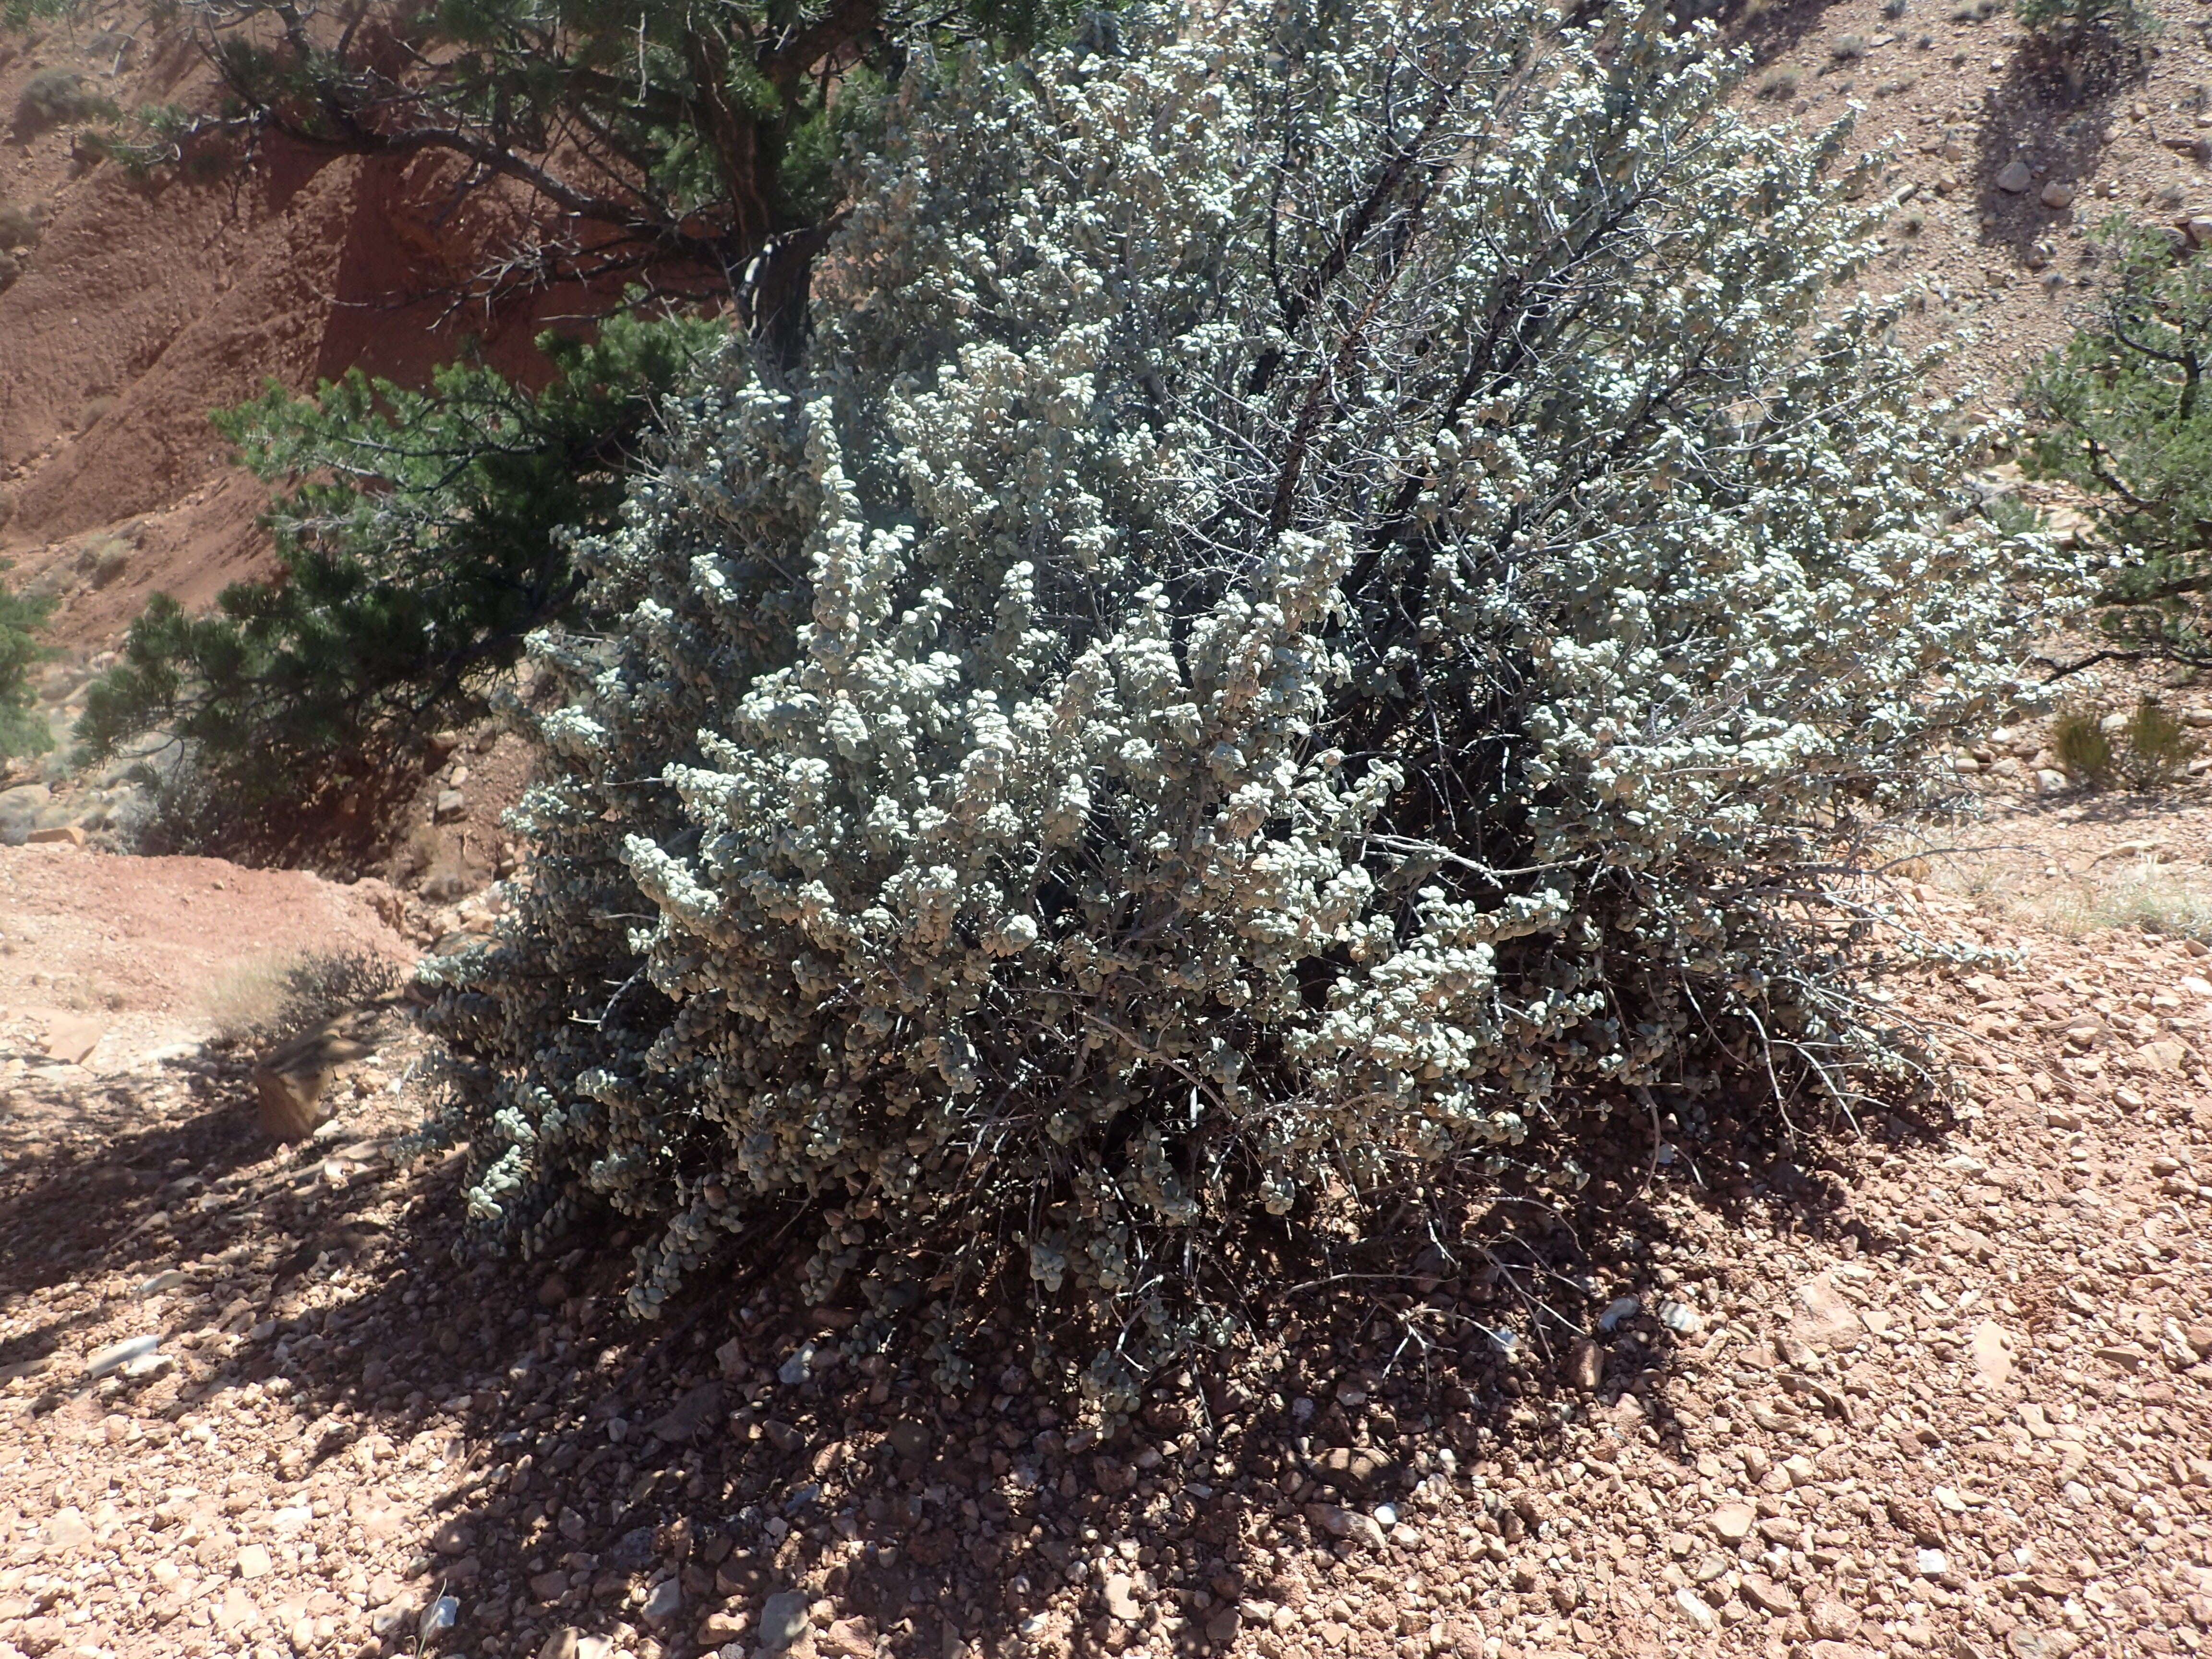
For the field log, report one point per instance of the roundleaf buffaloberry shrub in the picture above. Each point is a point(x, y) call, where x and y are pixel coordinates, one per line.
point(1323, 597)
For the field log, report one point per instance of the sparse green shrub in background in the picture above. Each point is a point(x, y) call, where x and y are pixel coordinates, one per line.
point(2155, 748)
point(2123, 416)
point(2081, 745)
point(2148, 749)
point(23, 729)
point(1325, 597)
point(56, 97)
point(423, 536)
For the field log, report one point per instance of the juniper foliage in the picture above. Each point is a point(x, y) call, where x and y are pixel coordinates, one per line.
point(423, 534)
point(2125, 418)
point(1327, 596)
point(23, 729)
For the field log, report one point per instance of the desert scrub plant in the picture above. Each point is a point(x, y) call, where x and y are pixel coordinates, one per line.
point(56, 97)
point(1328, 593)
point(20, 225)
point(23, 729)
point(2144, 748)
point(2156, 747)
point(2082, 746)
point(1778, 83)
point(2121, 415)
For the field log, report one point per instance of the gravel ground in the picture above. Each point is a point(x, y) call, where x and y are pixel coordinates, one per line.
point(1921, 1388)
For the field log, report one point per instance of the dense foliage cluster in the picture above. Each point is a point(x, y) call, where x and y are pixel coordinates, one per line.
point(690, 148)
point(23, 729)
point(1328, 592)
point(2126, 418)
point(423, 534)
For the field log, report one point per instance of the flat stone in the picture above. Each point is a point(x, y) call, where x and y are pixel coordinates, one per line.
point(2015, 177)
point(1832, 1621)
point(67, 1530)
point(1694, 1608)
point(236, 1612)
point(724, 1624)
point(909, 1439)
point(72, 1038)
point(1620, 1308)
point(694, 1414)
point(117, 1355)
point(1121, 1599)
point(253, 1562)
point(1823, 1317)
point(784, 1618)
point(663, 1603)
point(1992, 1354)
point(61, 835)
point(1356, 1465)
point(569, 1643)
point(799, 1368)
point(451, 804)
point(1767, 1595)
point(1732, 1522)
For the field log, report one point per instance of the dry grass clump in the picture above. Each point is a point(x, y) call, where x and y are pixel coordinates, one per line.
point(2146, 898)
point(2146, 749)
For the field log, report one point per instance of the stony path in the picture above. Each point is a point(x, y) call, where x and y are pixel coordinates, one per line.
point(1934, 1389)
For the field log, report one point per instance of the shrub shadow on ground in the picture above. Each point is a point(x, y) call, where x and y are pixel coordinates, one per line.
point(630, 1480)
point(2031, 115)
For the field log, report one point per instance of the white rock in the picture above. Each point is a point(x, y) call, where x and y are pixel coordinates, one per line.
point(117, 1355)
point(1931, 1563)
point(799, 1368)
point(67, 1530)
point(441, 1615)
point(1681, 1318)
point(1626, 1307)
point(784, 1618)
point(1694, 1608)
point(665, 1602)
point(1121, 1599)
